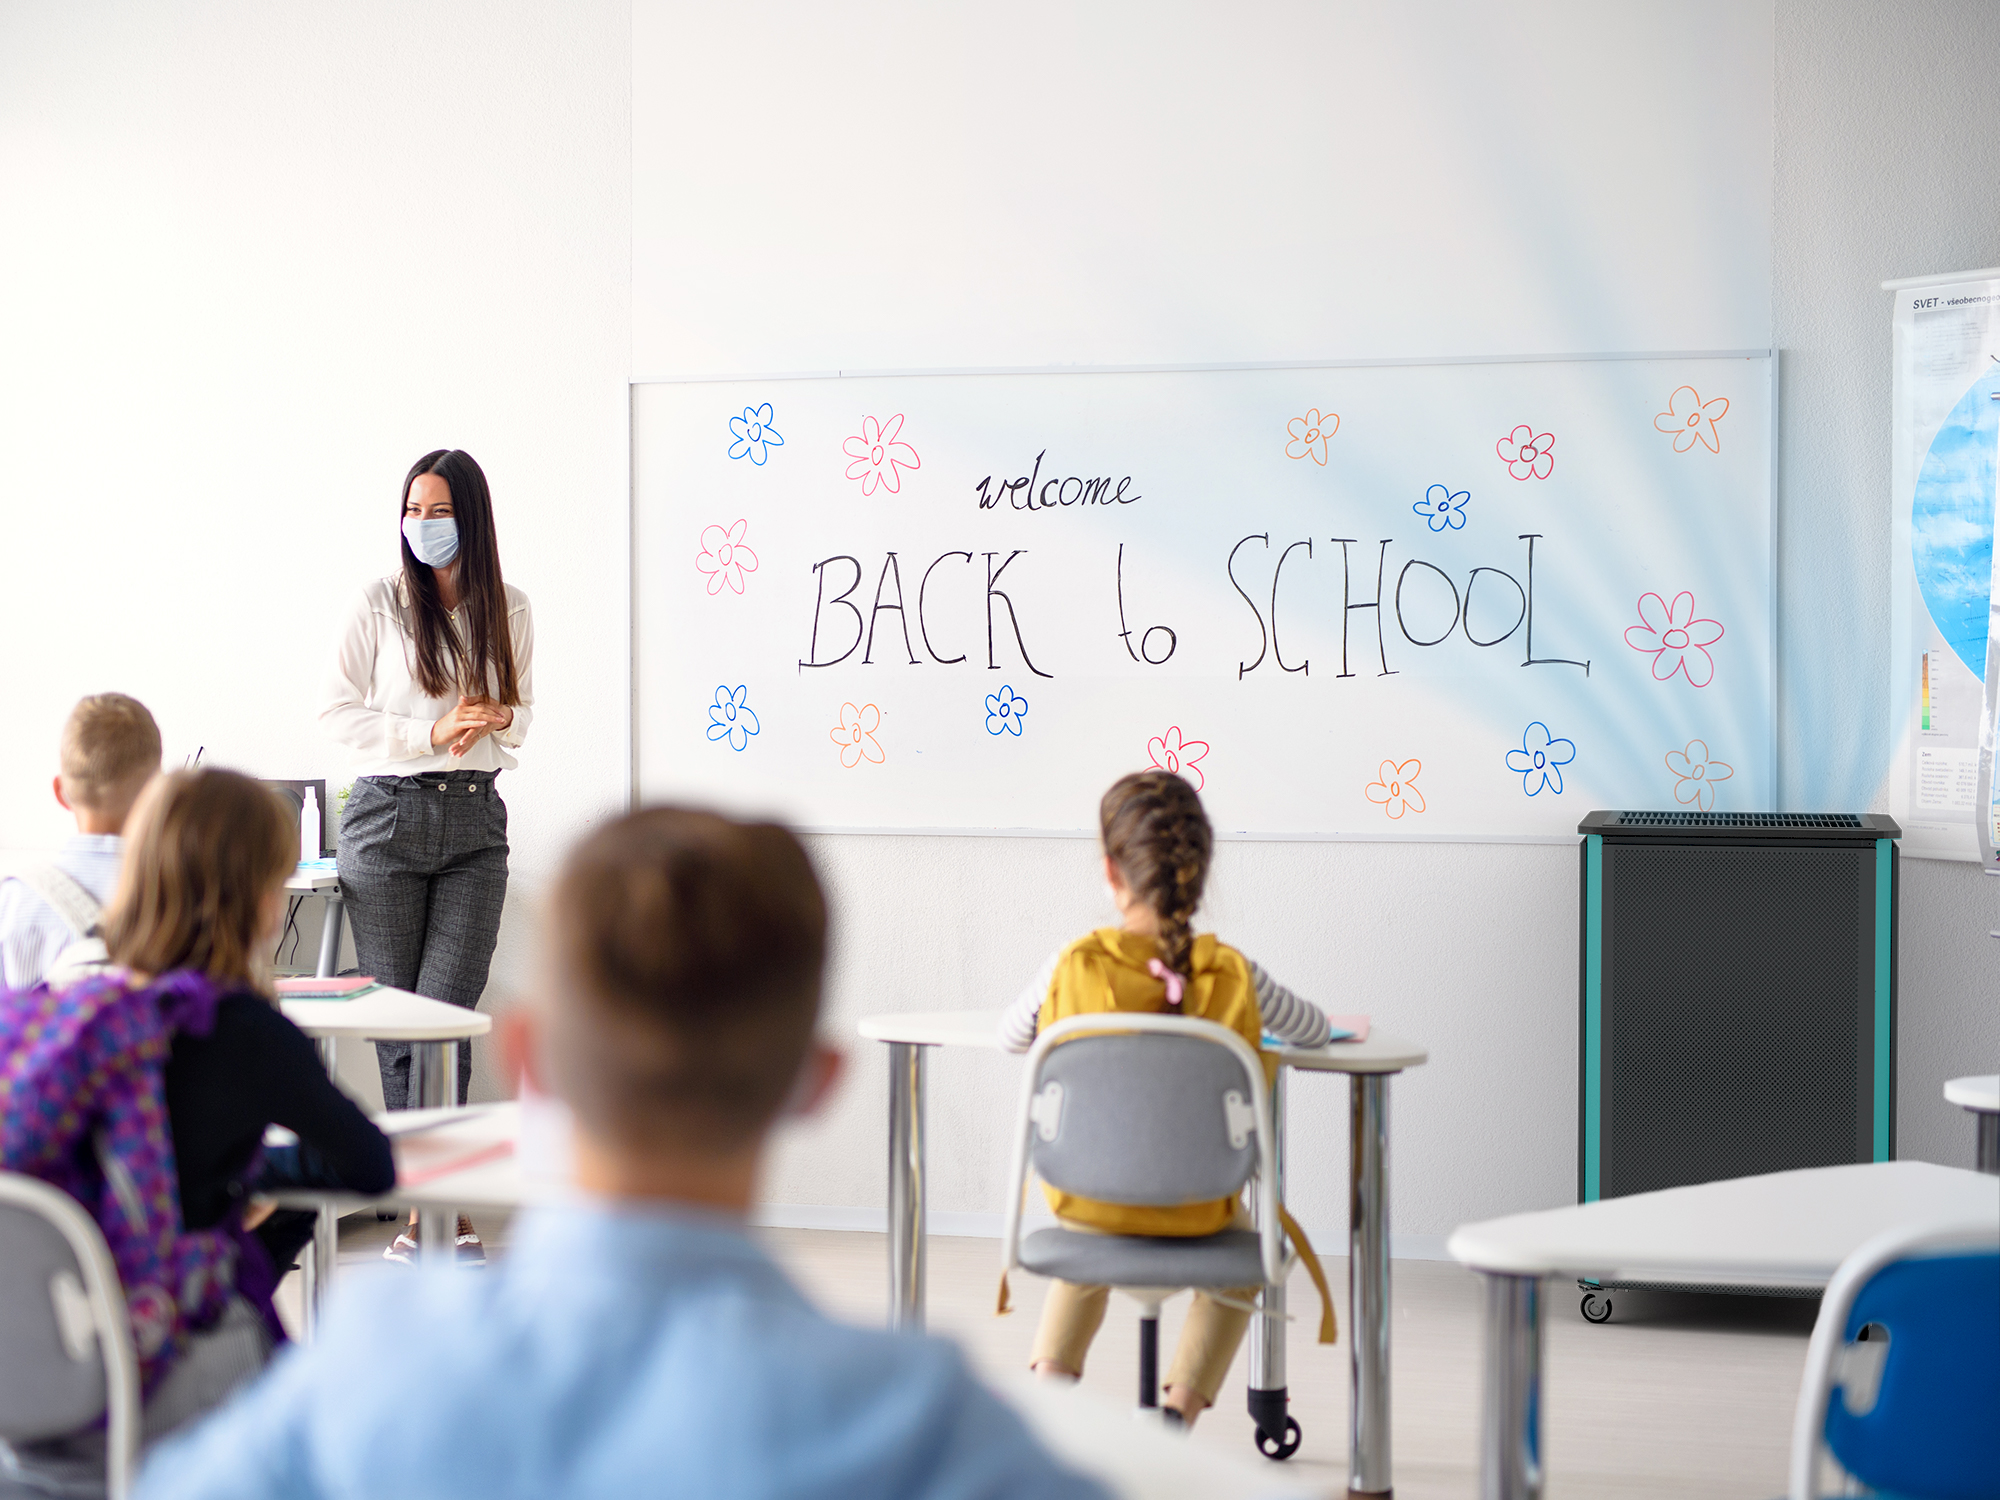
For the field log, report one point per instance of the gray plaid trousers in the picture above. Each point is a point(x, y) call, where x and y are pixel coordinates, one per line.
point(423, 873)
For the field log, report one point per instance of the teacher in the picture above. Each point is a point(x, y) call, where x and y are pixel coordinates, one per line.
point(432, 688)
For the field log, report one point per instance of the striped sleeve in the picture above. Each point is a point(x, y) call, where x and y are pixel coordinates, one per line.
point(1286, 1016)
point(1018, 1021)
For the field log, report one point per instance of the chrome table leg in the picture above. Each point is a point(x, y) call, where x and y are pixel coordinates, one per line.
point(436, 1067)
point(1368, 1450)
point(316, 1265)
point(1510, 1431)
point(329, 935)
point(907, 1226)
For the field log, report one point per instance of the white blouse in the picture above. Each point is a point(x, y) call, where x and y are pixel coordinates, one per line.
point(375, 706)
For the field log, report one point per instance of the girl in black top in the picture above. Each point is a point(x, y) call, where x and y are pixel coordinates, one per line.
point(201, 889)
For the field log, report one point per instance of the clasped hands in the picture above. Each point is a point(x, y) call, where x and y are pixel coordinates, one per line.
point(469, 722)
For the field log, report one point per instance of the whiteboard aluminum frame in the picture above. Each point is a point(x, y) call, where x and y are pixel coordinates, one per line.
point(1247, 836)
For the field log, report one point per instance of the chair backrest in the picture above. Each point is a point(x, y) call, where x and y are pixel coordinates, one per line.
point(1141, 1108)
point(1902, 1378)
point(1143, 1118)
point(66, 1354)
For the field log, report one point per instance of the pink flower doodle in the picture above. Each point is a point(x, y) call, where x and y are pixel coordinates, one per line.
point(1395, 788)
point(856, 735)
point(1526, 455)
point(1678, 641)
point(724, 558)
point(1179, 757)
point(1690, 419)
point(878, 457)
point(1309, 434)
point(1695, 775)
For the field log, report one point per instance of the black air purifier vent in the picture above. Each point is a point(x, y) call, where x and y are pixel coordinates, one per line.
point(1735, 820)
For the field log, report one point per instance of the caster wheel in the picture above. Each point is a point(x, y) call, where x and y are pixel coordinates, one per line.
point(1284, 1450)
point(1596, 1307)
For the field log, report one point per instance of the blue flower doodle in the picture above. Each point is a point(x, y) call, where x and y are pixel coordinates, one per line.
point(1540, 759)
point(1004, 711)
point(729, 717)
point(754, 436)
point(1442, 508)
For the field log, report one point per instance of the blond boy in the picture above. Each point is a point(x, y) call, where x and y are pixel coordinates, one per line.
point(110, 750)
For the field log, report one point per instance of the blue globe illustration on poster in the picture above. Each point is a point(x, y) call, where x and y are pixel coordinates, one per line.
point(1951, 522)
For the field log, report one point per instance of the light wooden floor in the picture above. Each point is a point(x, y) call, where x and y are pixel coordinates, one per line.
point(1677, 1396)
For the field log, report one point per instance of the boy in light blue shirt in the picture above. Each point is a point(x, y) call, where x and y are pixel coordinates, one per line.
point(110, 750)
point(637, 1341)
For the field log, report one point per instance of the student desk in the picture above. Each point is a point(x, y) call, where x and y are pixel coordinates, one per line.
point(1780, 1231)
point(322, 883)
point(1370, 1065)
point(1981, 1097)
point(385, 1015)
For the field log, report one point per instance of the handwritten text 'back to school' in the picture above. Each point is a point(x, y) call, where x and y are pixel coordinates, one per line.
point(1422, 607)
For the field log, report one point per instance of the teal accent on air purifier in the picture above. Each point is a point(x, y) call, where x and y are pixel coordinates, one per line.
point(1885, 867)
point(1593, 1015)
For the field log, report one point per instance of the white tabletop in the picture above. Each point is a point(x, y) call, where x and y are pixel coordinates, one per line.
point(1784, 1229)
point(489, 1134)
point(387, 1015)
point(1980, 1092)
point(1381, 1053)
point(304, 882)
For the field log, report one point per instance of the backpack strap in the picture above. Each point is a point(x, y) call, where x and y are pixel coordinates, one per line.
point(63, 891)
point(1329, 1329)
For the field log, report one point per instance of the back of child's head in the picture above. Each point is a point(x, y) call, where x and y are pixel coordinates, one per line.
point(1155, 831)
point(203, 850)
point(686, 953)
point(110, 749)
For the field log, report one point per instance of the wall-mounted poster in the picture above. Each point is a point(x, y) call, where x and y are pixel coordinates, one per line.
point(1946, 426)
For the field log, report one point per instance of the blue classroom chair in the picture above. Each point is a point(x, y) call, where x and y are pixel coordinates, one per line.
point(1902, 1379)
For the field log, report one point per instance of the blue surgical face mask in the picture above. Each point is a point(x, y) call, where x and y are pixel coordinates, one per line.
point(434, 542)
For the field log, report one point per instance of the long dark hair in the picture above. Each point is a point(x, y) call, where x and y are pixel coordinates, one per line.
point(448, 660)
point(1159, 837)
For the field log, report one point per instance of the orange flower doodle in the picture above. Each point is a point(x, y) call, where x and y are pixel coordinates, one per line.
point(1690, 419)
point(856, 735)
point(1395, 789)
point(1309, 434)
point(1695, 775)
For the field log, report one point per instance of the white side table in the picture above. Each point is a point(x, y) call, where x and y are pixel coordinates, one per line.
point(1980, 1095)
point(1782, 1231)
point(322, 883)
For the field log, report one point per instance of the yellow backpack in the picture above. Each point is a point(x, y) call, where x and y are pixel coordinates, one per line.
point(1106, 971)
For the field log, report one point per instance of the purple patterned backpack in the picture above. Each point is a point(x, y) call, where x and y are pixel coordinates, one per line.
point(83, 1107)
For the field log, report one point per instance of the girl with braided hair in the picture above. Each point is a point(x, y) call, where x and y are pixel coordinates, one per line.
point(1157, 846)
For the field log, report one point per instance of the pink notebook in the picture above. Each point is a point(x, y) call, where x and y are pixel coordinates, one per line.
point(344, 987)
point(1355, 1026)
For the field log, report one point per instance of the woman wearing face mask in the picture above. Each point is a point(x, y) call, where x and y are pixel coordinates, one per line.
point(432, 687)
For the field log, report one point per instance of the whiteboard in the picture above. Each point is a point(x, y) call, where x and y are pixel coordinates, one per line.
point(1467, 600)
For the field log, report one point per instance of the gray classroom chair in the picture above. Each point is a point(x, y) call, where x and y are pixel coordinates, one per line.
point(66, 1354)
point(1131, 1107)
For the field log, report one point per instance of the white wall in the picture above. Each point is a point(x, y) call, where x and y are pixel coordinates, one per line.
point(254, 260)
point(895, 185)
point(1887, 133)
